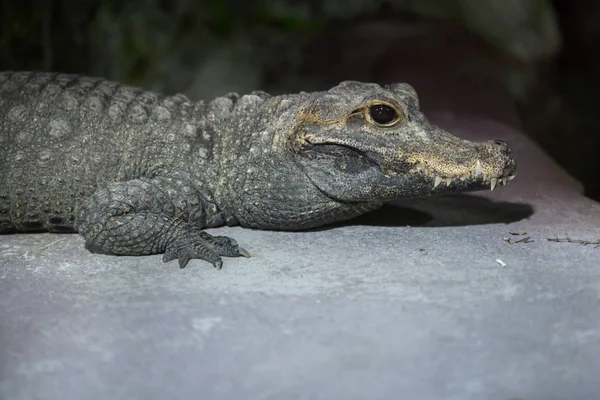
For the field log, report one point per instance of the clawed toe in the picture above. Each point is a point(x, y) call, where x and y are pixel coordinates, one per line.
point(243, 252)
point(205, 247)
point(218, 264)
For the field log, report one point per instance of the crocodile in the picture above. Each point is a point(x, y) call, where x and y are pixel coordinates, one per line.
point(136, 172)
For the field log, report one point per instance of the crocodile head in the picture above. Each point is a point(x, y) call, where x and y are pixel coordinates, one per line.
point(363, 142)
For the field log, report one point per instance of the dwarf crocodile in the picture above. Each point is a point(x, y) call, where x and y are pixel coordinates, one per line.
point(137, 172)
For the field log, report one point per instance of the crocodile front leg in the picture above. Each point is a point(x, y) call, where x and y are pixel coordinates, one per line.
point(154, 216)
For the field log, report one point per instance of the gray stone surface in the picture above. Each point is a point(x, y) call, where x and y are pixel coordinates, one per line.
point(408, 302)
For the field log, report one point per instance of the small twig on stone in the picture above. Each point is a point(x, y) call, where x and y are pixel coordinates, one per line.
point(569, 240)
point(526, 239)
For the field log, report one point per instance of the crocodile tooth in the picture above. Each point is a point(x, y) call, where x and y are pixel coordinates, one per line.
point(448, 181)
point(493, 183)
point(478, 168)
point(504, 180)
point(438, 180)
point(511, 177)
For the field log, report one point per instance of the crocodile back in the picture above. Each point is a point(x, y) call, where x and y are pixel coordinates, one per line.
point(62, 136)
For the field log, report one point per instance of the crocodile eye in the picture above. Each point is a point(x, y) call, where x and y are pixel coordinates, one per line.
point(383, 114)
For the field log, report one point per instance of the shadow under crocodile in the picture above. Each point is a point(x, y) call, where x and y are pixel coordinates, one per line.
point(443, 211)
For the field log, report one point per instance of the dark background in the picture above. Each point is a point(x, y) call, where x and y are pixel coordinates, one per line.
point(538, 57)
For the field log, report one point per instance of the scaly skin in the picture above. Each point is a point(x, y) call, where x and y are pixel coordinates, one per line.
point(136, 173)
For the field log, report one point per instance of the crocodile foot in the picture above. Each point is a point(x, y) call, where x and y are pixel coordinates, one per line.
point(193, 243)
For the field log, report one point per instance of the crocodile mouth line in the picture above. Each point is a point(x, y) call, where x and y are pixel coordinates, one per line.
point(475, 172)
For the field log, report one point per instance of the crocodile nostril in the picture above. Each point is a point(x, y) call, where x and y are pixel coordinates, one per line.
point(500, 142)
